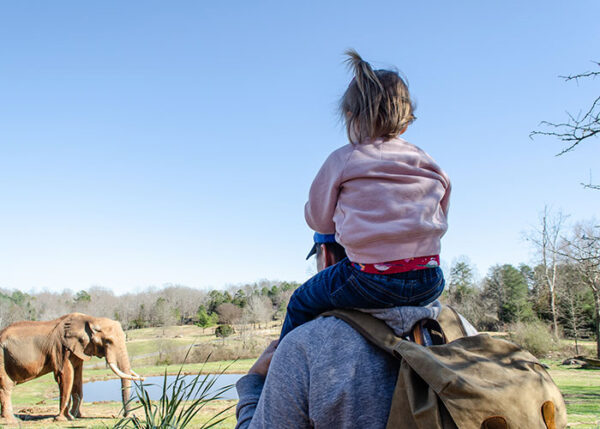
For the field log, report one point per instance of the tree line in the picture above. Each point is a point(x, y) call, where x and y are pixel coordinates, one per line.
point(561, 289)
point(255, 304)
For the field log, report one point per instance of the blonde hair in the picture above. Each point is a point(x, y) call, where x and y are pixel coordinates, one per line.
point(376, 104)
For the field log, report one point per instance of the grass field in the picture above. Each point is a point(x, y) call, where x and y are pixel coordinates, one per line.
point(34, 401)
point(581, 390)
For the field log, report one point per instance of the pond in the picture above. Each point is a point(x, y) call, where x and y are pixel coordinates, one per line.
point(110, 390)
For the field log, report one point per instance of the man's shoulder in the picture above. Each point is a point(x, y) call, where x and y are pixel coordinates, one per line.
point(317, 330)
point(324, 334)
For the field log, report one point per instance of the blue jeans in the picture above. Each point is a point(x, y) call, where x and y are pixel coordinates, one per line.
point(343, 286)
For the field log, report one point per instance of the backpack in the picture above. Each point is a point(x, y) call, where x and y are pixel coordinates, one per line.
point(466, 382)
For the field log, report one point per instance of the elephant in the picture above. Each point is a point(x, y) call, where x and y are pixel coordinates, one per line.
point(31, 349)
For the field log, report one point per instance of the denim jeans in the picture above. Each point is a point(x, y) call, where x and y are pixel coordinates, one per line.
point(343, 286)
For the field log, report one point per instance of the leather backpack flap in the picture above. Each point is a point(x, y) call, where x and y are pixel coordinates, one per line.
point(480, 377)
point(415, 405)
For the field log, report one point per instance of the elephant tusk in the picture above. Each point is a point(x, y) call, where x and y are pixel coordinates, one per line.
point(121, 374)
point(135, 374)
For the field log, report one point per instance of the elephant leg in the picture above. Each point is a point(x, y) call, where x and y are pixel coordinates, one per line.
point(6, 386)
point(65, 384)
point(6, 403)
point(77, 392)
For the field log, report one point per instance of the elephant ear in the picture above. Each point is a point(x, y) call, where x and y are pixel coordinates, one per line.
point(76, 336)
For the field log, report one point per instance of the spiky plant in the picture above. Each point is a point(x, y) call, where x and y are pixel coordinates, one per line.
point(179, 403)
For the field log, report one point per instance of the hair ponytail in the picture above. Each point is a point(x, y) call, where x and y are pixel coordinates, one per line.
point(376, 103)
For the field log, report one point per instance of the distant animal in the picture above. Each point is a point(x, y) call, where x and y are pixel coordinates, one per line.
point(31, 349)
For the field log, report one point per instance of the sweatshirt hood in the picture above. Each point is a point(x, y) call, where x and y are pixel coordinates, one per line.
point(402, 319)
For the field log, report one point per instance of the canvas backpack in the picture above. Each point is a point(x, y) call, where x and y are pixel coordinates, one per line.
point(466, 382)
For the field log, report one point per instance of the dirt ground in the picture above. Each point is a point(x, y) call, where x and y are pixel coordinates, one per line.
point(101, 415)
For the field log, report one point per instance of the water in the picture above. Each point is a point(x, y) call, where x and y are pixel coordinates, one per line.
point(110, 390)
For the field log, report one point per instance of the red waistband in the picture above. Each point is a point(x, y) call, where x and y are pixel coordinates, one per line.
point(400, 266)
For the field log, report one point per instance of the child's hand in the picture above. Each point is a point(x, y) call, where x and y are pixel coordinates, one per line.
point(261, 366)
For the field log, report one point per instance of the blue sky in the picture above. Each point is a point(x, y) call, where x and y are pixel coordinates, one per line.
point(146, 143)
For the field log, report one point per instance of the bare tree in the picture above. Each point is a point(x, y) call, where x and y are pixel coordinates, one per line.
point(572, 303)
point(576, 128)
point(51, 305)
point(583, 249)
point(184, 300)
point(229, 313)
point(281, 304)
point(9, 313)
point(546, 239)
point(103, 302)
point(258, 309)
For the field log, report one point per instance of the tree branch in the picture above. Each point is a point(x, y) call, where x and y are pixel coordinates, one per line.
point(576, 77)
point(577, 128)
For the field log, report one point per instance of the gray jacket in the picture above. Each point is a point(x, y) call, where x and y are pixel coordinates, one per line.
point(324, 374)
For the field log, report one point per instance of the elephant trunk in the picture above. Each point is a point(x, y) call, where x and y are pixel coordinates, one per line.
point(125, 390)
point(124, 366)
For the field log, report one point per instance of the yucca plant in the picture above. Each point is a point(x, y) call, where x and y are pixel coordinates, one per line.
point(179, 403)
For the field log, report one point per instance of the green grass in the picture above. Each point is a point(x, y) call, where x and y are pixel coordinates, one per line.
point(35, 391)
point(581, 390)
point(140, 347)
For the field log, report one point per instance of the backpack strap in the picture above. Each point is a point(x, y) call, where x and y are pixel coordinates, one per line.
point(373, 329)
point(451, 324)
point(448, 327)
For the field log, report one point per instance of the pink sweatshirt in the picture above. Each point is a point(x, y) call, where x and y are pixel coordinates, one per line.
point(385, 201)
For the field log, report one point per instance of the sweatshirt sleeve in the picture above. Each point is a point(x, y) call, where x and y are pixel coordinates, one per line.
point(324, 191)
point(249, 388)
point(283, 401)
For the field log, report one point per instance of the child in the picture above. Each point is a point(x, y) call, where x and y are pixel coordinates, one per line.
point(386, 201)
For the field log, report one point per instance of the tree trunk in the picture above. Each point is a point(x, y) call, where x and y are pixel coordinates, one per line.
point(554, 317)
point(597, 305)
point(553, 292)
point(573, 320)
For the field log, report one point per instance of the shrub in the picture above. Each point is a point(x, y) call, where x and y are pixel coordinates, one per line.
point(223, 331)
point(166, 353)
point(231, 351)
point(533, 336)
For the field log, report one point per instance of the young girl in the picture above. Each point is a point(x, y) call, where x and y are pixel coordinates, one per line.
point(385, 199)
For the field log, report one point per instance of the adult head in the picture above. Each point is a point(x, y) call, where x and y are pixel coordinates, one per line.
point(326, 250)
